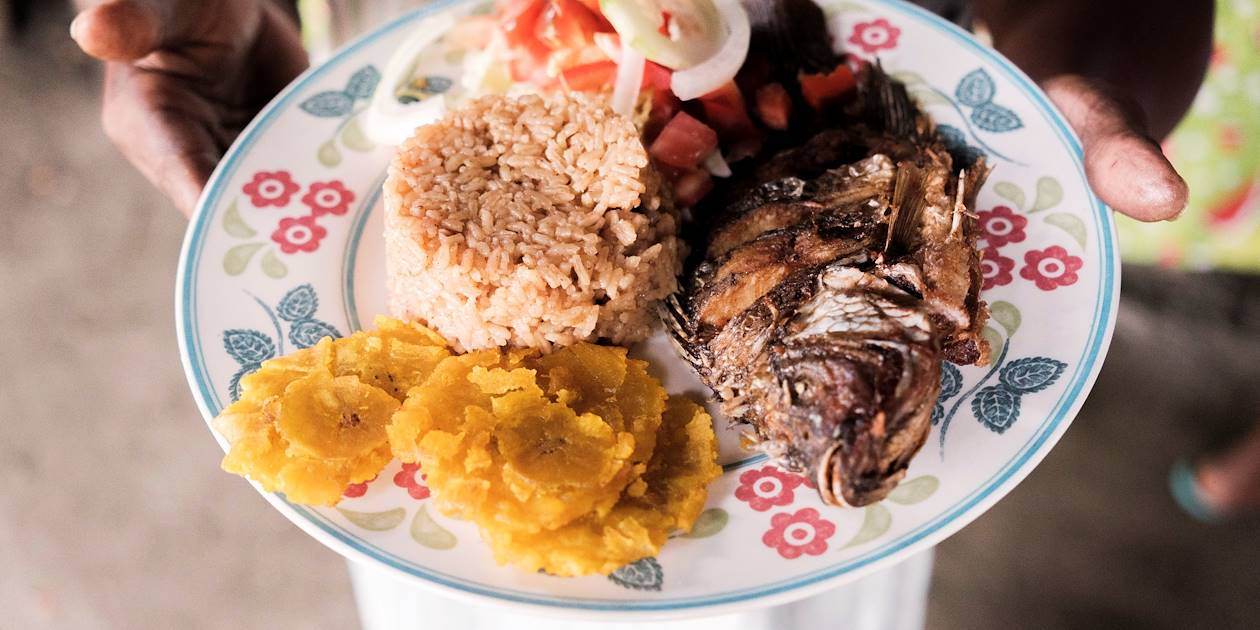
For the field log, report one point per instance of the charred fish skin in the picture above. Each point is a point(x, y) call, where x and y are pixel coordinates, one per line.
point(833, 284)
point(847, 388)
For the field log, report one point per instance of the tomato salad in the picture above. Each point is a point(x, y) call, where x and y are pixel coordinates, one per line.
point(681, 68)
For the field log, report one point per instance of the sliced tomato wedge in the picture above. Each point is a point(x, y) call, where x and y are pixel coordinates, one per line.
point(691, 187)
point(683, 142)
point(725, 111)
point(774, 106)
point(519, 21)
point(589, 76)
point(664, 106)
point(525, 66)
point(656, 76)
point(824, 90)
point(568, 24)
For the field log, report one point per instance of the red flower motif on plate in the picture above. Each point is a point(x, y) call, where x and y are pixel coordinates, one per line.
point(302, 234)
point(1001, 226)
point(356, 490)
point(1051, 268)
point(270, 188)
point(766, 487)
point(328, 198)
point(995, 268)
point(802, 532)
point(406, 478)
point(875, 36)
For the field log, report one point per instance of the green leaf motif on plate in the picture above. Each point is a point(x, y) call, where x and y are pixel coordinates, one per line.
point(1031, 374)
point(455, 56)
point(234, 225)
point(248, 347)
point(237, 259)
point(234, 386)
point(926, 96)
point(298, 304)
point(996, 407)
point(1071, 224)
point(644, 574)
point(353, 137)
point(992, 336)
point(914, 491)
point(843, 7)
point(427, 532)
point(1049, 194)
point(308, 332)
point(328, 154)
point(995, 118)
point(876, 521)
point(1010, 192)
point(907, 77)
point(272, 265)
point(363, 82)
point(710, 522)
point(975, 89)
point(330, 104)
point(951, 381)
point(375, 521)
point(1007, 315)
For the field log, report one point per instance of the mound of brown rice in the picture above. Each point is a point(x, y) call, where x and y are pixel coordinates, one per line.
point(528, 222)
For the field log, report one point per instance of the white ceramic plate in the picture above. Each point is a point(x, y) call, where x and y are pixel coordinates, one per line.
point(286, 246)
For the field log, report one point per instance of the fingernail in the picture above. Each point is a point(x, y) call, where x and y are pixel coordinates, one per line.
point(76, 25)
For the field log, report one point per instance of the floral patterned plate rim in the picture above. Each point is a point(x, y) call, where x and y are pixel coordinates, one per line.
point(285, 248)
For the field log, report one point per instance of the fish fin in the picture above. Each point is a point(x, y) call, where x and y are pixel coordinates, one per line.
point(976, 175)
point(680, 327)
point(909, 201)
point(888, 105)
point(894, 206)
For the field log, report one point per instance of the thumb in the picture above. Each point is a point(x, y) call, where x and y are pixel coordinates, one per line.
point(122, 30)
point(1125, 167)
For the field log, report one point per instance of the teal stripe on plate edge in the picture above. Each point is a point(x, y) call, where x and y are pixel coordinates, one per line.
point(209, 402)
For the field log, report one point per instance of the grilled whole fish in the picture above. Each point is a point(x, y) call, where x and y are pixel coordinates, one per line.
point(836, 277)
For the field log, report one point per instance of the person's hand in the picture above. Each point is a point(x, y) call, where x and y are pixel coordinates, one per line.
point(1123, 72)
point(183, 77)
point(1125, 166)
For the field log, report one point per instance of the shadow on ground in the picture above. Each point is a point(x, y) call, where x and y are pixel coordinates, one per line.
point(1092, 539)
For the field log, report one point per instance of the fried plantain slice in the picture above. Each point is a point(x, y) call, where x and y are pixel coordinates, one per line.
point(675, 490)
point(334, 417)
point(313, 421)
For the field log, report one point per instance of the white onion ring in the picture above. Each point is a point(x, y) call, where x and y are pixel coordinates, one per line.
point(716, 165)
point(629, 81)
point(715, 71)
point(389, 122)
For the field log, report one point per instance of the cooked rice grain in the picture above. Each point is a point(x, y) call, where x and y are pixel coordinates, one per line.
point(529, 221)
